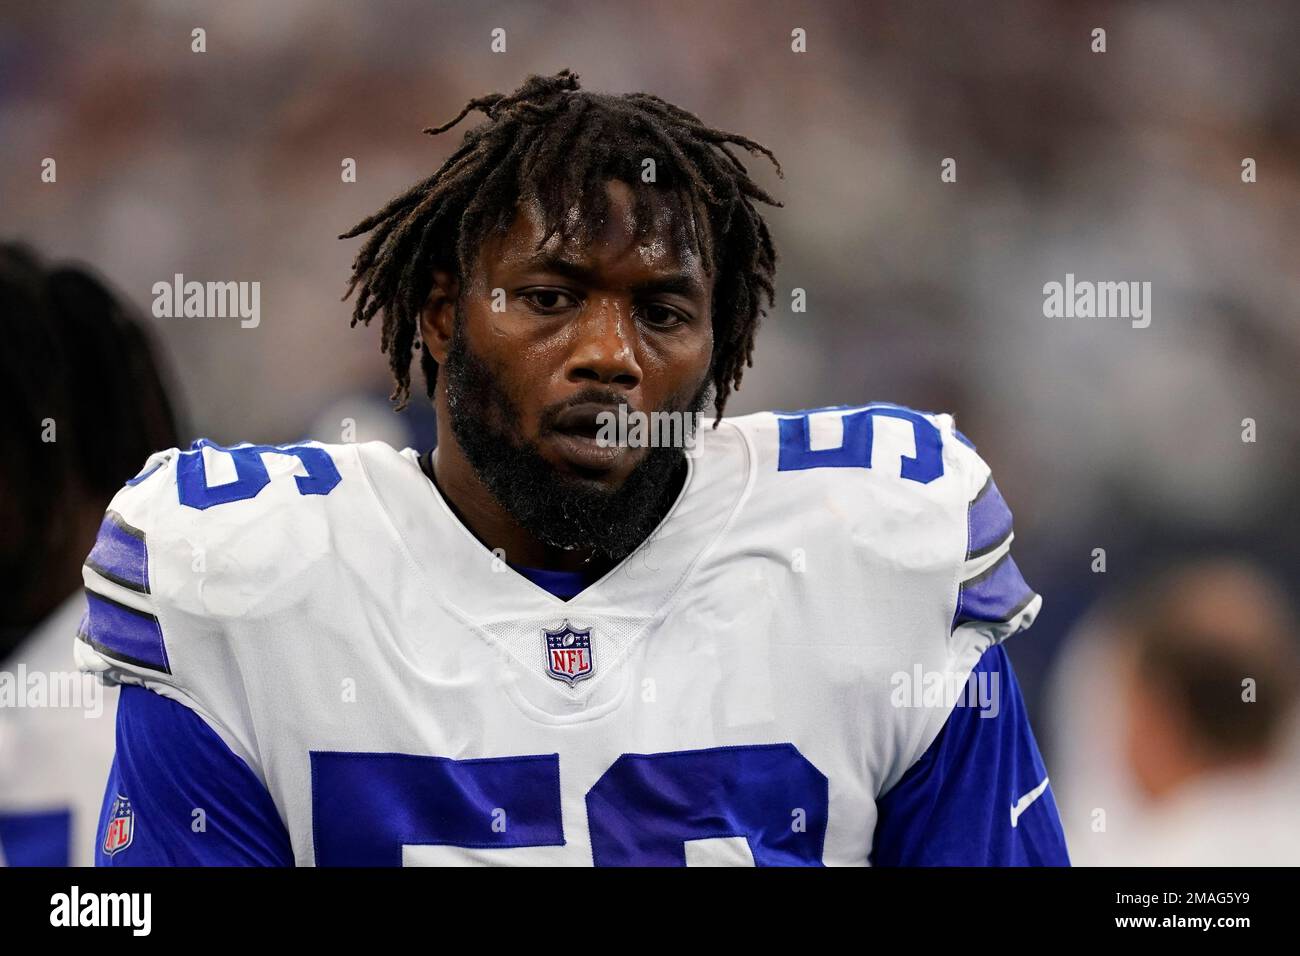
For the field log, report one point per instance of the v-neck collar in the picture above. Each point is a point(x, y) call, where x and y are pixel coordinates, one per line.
point(425, 463)
point(565, 585)
point(481, 586)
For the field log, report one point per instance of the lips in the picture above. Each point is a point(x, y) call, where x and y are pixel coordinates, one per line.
point(573, 433)
point(584, 420)
point(585, 455)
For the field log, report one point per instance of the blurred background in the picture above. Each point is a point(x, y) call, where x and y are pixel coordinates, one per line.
point(1117, 166)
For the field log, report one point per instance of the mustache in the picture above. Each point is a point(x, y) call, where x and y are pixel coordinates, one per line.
point(550, 416)
point(613, 400)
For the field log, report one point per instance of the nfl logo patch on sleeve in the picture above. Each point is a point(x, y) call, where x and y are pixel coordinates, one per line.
point(568, 653)
point(121, 826)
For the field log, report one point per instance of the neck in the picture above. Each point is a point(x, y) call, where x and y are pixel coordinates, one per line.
point(496, 527)
point(480, 512)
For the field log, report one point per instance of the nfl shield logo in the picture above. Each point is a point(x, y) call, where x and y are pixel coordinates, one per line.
point(568, 653)
point(121, 826)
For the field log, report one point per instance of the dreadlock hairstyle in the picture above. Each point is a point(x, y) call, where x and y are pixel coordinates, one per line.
point(77, 357)
point(553, 143)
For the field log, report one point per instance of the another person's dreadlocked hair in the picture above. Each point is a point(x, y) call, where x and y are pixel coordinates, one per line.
point(551, 142)
point(79, 359)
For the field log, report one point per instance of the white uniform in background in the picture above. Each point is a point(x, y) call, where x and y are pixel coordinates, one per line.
point(56, 746)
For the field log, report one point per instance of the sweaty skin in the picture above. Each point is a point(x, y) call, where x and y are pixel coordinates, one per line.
point(625, 318)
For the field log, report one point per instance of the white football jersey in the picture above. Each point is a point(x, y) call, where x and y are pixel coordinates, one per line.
point(741, 688)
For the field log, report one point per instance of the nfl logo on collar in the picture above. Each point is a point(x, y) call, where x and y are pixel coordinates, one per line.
point(568, 653)
point(121, 826)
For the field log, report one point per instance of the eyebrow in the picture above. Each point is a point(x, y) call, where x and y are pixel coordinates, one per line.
point(681, 283)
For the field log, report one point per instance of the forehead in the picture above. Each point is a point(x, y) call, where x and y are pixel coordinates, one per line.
point(657, 239)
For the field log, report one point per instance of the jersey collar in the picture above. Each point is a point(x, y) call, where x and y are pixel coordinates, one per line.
point(469, 578)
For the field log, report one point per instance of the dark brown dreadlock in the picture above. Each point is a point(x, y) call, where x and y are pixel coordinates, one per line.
point(551, 142)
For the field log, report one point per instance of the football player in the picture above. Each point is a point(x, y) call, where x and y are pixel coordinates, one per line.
point(535, 646)
point(83, 394)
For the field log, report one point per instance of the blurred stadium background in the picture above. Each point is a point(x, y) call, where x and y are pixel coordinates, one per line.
point(1117, 166)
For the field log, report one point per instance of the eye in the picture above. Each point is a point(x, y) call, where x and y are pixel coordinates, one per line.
point(548, 301)
point(662, 316)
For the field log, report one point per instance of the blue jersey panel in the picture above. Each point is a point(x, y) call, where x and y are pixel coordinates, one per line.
point(979, 795)
point(178, 796)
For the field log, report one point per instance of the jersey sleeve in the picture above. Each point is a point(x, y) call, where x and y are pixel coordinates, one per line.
point(993, 599)
point(132, 576)
point(197, 562)
point(178, 796)
point(977, 792)
point(177, 593)
point(966, 753)
point(980, 795)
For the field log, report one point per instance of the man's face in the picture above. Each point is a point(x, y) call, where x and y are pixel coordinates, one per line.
point(577, 330)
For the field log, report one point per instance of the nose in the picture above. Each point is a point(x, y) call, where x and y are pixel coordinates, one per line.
point(604, 351)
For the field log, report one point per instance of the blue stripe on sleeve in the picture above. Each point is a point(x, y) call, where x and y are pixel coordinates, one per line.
point(170, 764)
point(989, 521)
point(124, 633)
point(954, 807)
point(119, 554)
point(997, 595)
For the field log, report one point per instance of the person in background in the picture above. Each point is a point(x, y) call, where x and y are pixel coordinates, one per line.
point(1182, 699)
point(83, 402)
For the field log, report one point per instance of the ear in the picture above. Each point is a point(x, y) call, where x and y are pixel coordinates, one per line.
point(438, 317)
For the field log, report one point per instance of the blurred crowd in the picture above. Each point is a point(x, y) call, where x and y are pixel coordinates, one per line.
point(1112, 444)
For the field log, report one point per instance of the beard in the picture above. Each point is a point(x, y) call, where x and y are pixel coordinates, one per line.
point(559, 510)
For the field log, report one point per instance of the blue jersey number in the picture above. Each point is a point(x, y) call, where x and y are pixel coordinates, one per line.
point(641, 812)
point(854, 450)
point(645, 807)
point(250, 473)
